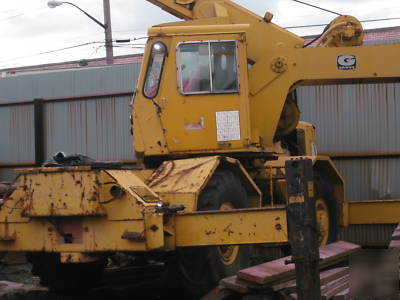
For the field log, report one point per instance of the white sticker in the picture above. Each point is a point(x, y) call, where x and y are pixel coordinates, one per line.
point(228, 125)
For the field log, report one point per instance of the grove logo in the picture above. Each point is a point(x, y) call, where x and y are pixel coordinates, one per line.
point(346, 62)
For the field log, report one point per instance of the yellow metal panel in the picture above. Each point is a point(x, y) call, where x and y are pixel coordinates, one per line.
point(154, 231)
point(304, 68)
point(183, 175)
point(189, 200)
point(137, 195)
point(13, 206)
point(144, 174)
point(125, 207)
point(172, 7)
point(243, 226)
point(374, 212)
point(176, 109)
point(195, 30)
point(146, 116)
point(61, 193)
point(98, 234)
point(129, 180)
point(181, 181)
point(298, 199)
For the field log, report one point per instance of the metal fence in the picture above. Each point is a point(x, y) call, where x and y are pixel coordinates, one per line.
point(76, 111)
point(358, 126)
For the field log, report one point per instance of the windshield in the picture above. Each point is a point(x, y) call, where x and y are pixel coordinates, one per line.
point(208, 67)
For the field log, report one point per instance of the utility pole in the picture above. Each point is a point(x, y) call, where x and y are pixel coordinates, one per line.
point(106, 26)
point(108, 32)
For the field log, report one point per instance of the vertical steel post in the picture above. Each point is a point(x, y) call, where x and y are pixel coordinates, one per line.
point(38, 111)
point(108, 32)
point(302, 227)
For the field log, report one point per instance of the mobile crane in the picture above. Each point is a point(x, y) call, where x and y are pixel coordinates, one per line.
point(214, 120)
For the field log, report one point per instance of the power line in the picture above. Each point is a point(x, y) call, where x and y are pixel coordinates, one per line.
point(134, 45)
point(11, 17)
point(129, 46)
point(327, 10)
point(55, 50)
point(320, 25)
point(19, 14)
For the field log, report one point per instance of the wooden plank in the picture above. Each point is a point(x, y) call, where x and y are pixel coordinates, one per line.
point(324, 277)
point(236, 284)
point(395, 237)
point(334, 288)
point(396, 233)
point(285, 296)
point(278, 270)
point(218, 293)
point(343, 295)
point(394, 244)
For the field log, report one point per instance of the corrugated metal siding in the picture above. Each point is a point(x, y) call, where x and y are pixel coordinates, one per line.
point(17, 134)
point(358, 120)
point(371, 179)
point(367, 234)
point(353, 118)
point(98, 128)
point(70, 83)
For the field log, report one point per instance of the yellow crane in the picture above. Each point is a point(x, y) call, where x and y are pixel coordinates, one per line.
point(214, 120)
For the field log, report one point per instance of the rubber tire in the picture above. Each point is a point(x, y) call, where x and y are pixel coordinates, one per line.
point(200, 267)
point(324, 190)
point(67, 278)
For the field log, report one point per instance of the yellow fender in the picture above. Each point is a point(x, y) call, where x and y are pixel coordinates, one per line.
point(180, 182)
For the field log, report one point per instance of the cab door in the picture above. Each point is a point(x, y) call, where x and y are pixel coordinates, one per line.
point(204, 102)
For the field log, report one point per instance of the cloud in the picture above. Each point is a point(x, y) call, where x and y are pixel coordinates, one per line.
point(29, 26)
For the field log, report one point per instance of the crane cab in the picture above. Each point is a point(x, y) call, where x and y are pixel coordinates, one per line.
point(193, 92)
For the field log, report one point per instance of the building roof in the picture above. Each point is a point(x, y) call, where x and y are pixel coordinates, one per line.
point(68, 65)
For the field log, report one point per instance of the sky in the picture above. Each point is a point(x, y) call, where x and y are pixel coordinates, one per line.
point(32, 33)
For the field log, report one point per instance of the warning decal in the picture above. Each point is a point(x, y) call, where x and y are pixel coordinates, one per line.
point(228, 125)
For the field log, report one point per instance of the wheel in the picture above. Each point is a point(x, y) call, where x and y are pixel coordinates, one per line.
point(65, 277)
point(326, 212)
point(202, 267)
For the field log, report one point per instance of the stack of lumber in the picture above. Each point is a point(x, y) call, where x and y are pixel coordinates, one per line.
point(279, 277)
point(395, 241)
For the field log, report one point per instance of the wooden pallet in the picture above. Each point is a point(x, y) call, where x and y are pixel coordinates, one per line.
point(279, 277)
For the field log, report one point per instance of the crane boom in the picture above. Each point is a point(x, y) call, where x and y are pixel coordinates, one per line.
point(218, 12)
point(181, 10)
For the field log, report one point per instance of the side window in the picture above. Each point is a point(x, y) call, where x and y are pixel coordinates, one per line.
point(208, 67)
point(154, 70)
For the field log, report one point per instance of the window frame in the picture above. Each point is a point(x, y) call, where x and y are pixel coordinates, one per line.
point(148, 66)
point(209, 42)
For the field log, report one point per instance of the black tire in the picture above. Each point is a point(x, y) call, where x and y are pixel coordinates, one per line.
point(324, 191)
point(67, 278)
point(202, 267)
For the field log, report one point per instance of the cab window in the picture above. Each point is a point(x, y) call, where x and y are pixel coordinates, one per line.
point(154, 70)
point(208, 67)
